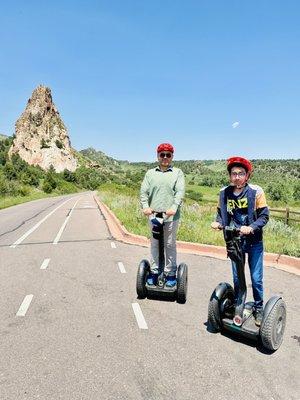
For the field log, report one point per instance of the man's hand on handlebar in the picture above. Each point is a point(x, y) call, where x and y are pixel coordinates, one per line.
point(170, 213)
point(216, 225)
point(147, 211)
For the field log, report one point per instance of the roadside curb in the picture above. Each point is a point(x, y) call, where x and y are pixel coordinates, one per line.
point(120, 233)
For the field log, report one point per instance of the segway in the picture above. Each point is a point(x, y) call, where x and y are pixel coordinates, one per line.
point(177, 292)
point(225, 313)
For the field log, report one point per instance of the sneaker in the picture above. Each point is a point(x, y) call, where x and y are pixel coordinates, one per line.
point(152, 279)
point(171, 281)
point(258, 315)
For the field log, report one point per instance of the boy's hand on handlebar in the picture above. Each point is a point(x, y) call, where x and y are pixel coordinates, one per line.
point(246, 230)
point(147, 211)
point(170, 213)
point(216, 225)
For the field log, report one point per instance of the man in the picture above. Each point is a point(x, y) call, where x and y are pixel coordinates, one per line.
point(162, 190)
point(244, 206)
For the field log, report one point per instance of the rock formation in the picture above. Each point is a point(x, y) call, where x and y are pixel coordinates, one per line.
point(41, 137)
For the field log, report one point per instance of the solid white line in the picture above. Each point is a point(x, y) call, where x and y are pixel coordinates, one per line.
point(121, 268)
point(45, 263)
point(139, 316)
point(113, 245)
point(56, 240)
point(24, 306)
point(20, 240)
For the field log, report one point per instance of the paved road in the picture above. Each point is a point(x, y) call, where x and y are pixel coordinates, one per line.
point(76, 335)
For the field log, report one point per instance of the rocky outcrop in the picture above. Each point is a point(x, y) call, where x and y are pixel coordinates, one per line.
point(41, 137)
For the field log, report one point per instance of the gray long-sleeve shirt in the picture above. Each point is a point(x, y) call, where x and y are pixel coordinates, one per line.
point(163, 190)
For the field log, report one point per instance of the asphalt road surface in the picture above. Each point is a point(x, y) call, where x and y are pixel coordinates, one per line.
point(72, 327)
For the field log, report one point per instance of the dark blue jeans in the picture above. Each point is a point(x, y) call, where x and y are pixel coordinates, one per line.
point(255, 261)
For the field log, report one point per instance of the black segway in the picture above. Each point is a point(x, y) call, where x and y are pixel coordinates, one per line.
point(224, 313)
point(179, 291)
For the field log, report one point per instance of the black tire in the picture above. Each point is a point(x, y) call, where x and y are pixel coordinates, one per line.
point(273, 326)
point(223, 292)
point(182, 283)
point(141, 277)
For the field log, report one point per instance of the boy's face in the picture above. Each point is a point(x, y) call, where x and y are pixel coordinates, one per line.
point(238, 176)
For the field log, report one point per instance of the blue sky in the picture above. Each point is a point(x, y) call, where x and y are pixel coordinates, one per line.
point(127, 75)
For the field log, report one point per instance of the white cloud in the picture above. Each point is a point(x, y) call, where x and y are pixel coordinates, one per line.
point(236, 124)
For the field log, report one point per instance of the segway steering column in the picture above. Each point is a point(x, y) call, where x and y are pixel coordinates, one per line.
point(234, 252)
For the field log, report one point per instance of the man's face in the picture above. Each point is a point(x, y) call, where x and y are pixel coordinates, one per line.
point(165, 158)
point(238, 176)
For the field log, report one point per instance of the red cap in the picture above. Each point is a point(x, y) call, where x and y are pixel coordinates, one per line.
point(232, 161)
point(165, 147)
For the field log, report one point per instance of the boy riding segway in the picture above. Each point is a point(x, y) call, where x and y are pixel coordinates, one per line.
point(243, 206)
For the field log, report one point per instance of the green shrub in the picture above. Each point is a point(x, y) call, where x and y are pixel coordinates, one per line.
point(68, 176)
point(9, 171)
point(47, 187)
point(191, 194)
point(296, 192)
point(49, 181)
point(44, 144)
point(59, 144)
point(23, 190)
point(64, 187)
point(4, 185)
point(29, 177)
point(278, 191)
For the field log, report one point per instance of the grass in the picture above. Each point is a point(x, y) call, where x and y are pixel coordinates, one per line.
point(8, 201)
point(195, 222)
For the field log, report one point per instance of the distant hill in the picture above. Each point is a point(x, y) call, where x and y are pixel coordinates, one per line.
point(99, 158)
point(3, 137)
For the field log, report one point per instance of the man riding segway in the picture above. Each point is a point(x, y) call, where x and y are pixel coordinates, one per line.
point(161, 196)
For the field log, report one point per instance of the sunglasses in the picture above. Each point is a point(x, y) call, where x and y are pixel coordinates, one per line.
point(163, 155)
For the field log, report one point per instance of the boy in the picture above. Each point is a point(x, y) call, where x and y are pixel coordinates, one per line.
point(244, 206)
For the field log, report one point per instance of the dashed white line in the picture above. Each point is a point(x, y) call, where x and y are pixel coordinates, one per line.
point(24, 306)
point(56, 240)
point(121, 267)
point(139, 316)
point(20, 240)
point(113, 245)
point(45, 263)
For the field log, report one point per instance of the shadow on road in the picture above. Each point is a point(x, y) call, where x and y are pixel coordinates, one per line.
point(240, 339)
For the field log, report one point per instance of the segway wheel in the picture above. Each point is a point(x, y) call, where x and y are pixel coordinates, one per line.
point(141, 277)
point(182, 283)
point(273, 326)
point(221, 298)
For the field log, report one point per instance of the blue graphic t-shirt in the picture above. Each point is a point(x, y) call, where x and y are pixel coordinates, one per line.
point(237, 207)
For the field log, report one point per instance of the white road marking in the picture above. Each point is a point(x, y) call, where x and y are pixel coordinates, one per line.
point(139, 316)
point(121, 267)
point(45, 263)
point(56, 240)
point(24, 306)
point(113, 245)
point(20, 240)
